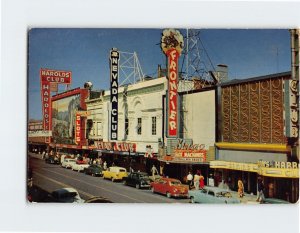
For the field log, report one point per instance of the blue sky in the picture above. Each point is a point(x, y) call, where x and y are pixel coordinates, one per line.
point(85, 52)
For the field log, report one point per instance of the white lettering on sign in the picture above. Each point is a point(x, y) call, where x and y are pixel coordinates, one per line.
point(114, 76)
point(279, 164)
point(172, 92)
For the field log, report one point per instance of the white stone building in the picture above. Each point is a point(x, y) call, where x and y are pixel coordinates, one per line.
point(139, 114)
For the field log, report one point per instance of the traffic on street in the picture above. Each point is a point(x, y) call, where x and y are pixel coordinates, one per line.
point(50, 177)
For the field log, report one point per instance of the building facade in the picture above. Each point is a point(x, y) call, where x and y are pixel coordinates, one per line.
point(251, 137)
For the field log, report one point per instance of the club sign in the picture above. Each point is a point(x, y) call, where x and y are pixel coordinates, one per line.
point(114, 77)
point(172, 44)
point(49, 77)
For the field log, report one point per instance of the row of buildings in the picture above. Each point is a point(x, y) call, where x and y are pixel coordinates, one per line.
point(236, 129)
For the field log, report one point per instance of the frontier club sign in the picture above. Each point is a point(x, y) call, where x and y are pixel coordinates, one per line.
point(48, 77)
point(172, 45)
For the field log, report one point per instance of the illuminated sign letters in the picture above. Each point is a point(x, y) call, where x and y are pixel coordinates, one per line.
point(114, 76)
point(172, 45)
point(48, 77)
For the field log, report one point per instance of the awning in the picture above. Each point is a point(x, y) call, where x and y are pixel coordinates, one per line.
point(125, 153)
point(259, 169)
point(254, 146)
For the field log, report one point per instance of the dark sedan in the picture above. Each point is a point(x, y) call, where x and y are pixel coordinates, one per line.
point(138, 180)
point(52, 160)
point(94, 170)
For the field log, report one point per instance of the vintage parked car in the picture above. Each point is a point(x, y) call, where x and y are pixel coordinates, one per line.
point(212, 195)
point(52, 160)
point(138, 180)
point(115, 173)
point(94, 170)
point(79, 166)
point(66, 195)
point(67, 163)
point(275, 201)
point(170, 187)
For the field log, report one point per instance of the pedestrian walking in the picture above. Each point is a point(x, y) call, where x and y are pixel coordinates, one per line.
point(190, 180)
point(197, 180)
point(240, 187)
point(201, 181)
point(154, 171)
point(104, 165)
point(260, 190)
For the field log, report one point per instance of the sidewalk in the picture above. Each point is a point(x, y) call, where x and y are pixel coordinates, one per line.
point(247, 199)
point(35, 155)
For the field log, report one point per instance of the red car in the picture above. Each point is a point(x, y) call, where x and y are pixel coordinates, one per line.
point(170, 187)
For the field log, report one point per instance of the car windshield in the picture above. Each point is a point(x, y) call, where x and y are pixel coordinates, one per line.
point(175, 183)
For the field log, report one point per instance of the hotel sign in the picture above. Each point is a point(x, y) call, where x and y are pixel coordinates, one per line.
point(114, 85)
point(172, 45)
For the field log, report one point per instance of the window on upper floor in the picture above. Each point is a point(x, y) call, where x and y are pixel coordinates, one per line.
point(139, 126)
point(126, 126)
point(153, 125)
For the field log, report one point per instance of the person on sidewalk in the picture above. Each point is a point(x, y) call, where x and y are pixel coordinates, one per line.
point(197, 180)
point(240, 187)
point(154, 171)
point(260, 190)
point(201, 181)
point(190, 180)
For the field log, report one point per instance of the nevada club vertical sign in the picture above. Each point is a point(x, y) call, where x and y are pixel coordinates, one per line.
point(114, 76)
point(172, 44)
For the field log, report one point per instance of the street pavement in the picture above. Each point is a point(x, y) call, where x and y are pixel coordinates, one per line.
point(49, 177)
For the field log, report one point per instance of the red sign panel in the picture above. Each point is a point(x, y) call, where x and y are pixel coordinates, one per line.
point(46, 105)
point(78, 129)
point(116, 146)
point(48, 78)
point(190, 155)
point(172, 119)
point(56, 76)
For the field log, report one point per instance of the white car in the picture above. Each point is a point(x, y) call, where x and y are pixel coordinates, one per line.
point(67, 163)
point(79, 166)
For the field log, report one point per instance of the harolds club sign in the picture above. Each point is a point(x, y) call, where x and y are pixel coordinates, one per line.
point(48, 77)
point(172, 44)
